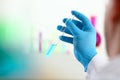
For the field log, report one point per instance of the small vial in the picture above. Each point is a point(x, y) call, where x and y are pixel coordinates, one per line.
point(54, 44)
point(50, 50)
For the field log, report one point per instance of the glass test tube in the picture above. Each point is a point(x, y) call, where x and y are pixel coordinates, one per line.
point(54, 43)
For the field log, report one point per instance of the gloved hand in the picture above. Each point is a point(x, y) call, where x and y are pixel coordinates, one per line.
point(84, 37)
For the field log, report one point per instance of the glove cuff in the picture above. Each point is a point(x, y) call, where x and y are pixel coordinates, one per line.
point(86, 65)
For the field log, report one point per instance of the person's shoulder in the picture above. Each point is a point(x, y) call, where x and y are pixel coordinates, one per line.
point(111, 71)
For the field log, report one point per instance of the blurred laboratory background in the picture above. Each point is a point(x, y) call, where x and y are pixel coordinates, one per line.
point(27, 28)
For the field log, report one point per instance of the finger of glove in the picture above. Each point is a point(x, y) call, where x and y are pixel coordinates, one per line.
point(76, 22)
point(65, 29)
point(66, 39)
point(84, 19)
point(73, 28)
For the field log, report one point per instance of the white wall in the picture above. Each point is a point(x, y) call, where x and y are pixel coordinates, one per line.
point(44, 16)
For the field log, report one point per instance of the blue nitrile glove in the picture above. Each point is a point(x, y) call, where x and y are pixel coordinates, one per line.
point(84, 37)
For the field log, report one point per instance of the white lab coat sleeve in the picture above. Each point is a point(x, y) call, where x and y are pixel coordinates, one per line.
point(95, 65)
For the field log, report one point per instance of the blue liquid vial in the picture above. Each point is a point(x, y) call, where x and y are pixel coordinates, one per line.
point(54, 43)
point(50, 49)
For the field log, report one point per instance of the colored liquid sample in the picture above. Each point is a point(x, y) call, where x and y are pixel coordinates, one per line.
point(50, 49)
point(98, 37)
point(40, 42)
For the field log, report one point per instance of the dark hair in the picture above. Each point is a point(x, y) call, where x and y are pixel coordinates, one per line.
point(116, 11)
